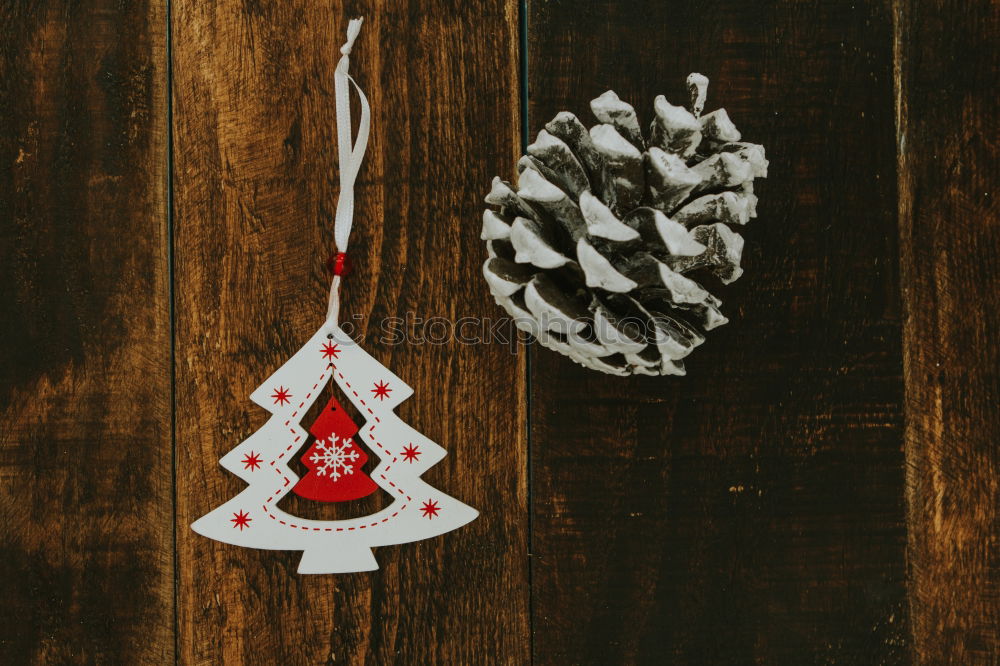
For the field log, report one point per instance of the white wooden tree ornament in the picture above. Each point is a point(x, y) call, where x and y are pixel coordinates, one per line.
point(418, 511)
point(253, 519)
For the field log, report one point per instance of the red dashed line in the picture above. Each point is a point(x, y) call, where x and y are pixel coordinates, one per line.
point(371, 436)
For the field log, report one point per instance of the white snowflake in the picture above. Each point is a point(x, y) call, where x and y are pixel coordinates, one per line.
point(333, 457)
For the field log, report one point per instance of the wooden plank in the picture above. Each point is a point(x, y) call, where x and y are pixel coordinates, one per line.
point(753, 511)
point(255, 193)
point(950, 233)
point(85, 449)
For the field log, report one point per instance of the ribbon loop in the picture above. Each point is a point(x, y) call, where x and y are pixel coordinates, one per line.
point(349, 156)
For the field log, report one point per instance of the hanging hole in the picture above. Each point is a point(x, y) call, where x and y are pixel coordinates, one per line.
point(329, 336)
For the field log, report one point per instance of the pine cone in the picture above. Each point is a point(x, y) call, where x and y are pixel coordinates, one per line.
point(592, 253)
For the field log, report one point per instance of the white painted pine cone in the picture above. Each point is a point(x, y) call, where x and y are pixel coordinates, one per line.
point(595, 251)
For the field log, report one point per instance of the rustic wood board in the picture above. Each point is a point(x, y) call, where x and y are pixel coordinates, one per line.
point(950, 237)
point(822, 488)
point(85, 390)
point(752, 512)
point(255, 173)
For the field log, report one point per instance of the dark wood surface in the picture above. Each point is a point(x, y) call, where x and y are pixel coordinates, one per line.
point(752, 512)
point(255, 186)
point(86, 511)
point(950, 237)
point(823, 488)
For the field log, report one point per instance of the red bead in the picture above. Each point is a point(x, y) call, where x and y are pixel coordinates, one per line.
point(339, 264)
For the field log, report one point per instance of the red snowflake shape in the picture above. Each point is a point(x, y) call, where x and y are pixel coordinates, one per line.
point(241, 520)
point(410, 453)
point(331, 351)
point(381, 390)
point(430, 509)
point(251, 461)
point(281, 395)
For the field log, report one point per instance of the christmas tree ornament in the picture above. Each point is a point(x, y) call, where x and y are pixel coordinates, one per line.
point(334, 460)
point(597, 250)
point(333, 456)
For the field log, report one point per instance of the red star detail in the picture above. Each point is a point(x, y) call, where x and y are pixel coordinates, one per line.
point(430, 509)
point(241, 520)
point(281, 395)
point(410, 453)
point(251, 461)
point(381, 390)
point(331, 351)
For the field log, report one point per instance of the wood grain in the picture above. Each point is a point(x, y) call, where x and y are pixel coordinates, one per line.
point(85, 444)
point(255, 173)
point(950, 230)
point(760, 510)
point(753, 511)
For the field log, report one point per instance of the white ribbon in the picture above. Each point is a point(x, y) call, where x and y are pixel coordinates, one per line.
point(349, 156)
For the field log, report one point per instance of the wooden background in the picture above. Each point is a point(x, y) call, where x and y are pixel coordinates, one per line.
point(823, 488)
